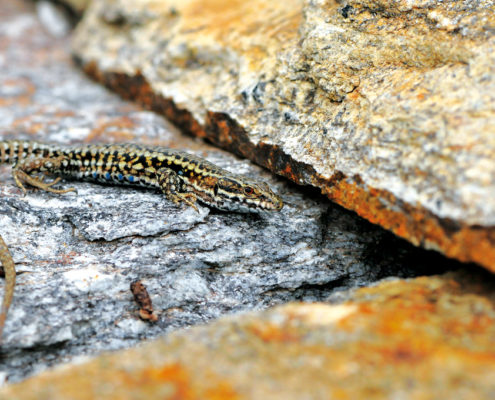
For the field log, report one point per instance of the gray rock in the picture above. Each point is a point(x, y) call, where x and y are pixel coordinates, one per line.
point(76, 254)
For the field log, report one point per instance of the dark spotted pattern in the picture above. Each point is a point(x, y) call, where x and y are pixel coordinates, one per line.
point(182, 177)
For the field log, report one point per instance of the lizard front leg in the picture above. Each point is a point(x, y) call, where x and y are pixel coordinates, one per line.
point(172, 186)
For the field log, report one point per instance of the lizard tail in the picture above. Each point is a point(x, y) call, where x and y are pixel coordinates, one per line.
point(9, 271)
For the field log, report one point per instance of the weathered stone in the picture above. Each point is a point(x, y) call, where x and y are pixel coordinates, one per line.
point(76, 254)
point(78, 6)
point(385, 106)
point(426, 338)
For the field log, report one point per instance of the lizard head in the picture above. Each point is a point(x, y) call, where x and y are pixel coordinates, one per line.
point(242, 194)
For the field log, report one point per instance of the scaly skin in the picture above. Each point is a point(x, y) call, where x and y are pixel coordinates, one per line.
point(182, 177)
point(9, 271)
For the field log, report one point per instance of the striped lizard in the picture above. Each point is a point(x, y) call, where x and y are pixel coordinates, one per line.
point(182, 177)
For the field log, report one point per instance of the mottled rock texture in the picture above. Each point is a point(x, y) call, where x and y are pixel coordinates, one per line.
point(387, 107)
point(77, 5)
point(426, 338)
point(76, 254)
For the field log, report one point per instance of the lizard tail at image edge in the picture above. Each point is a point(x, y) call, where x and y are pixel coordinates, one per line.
point(182, 177)
point(9, 271)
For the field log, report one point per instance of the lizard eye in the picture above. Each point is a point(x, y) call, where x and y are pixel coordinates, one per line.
point(248, 190)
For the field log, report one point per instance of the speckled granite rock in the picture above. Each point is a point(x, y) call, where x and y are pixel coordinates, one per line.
point(388, 107)
point(427, 338)
point(76, 255)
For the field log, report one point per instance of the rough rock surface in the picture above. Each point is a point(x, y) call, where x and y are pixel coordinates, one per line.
point(78, 6)
point(76, 255)
point(388, 107)
point(426, 338)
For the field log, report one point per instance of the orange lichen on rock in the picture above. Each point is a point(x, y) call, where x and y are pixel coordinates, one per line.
point(272, 333)
point(424, 338)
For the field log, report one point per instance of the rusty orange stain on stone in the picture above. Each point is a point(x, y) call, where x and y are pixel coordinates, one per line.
point(172, 373)
point(67, 258)
point(222, 391)
point(272, 333)
point(287, 172)
point(224, 132)
point(183, 387)
point(23, 88)
point(401, 322)
point(64, 113)
point(119, 128)
point(421, 96)
point(403, 319)
point(354, 95)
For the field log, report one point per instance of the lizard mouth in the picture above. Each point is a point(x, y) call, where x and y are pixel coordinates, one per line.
point(277, 204)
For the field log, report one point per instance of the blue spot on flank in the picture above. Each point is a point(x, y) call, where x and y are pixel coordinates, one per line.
point(95, 175)
point(107, 175)
point(130, 178)
point(120, 177)
point(181, 172)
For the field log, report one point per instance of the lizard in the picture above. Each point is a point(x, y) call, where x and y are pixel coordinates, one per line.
point(180, 176)
point(9, 271)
